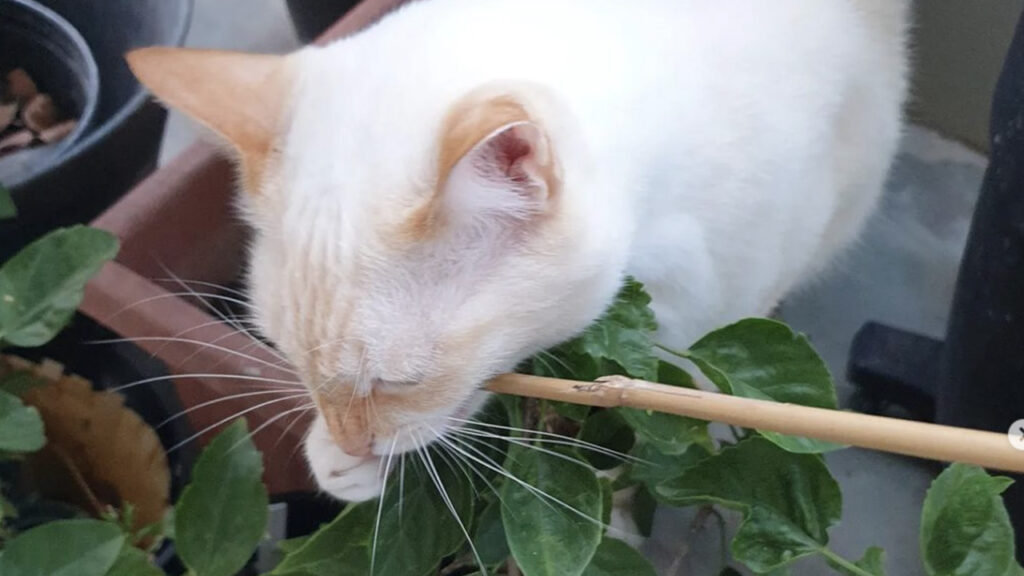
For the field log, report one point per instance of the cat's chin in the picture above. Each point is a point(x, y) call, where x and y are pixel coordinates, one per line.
point(345, 477)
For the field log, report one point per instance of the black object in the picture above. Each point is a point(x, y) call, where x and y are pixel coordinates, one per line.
point(123, 144)
point(980, 378)
point(40, 41)
point(313, 17)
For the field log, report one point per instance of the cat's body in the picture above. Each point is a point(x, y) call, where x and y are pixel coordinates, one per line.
point(722, 150)
point(467, 183)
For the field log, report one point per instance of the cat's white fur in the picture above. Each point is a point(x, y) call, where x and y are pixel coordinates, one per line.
point(720, 151)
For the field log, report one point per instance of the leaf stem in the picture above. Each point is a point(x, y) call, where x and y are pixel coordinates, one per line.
point(843, 562)
point(685, 354)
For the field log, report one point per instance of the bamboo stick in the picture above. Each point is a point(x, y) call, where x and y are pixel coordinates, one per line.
point(932, 441)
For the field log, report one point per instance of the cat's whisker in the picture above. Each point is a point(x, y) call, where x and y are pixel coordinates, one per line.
point(568, 368)
point(296, 420)
point(455, 465)
point(432, 472)
point(554, 438)
point(234, 416)
point(446, 444)
point(528, 445)
point(201, 343)
point(380, 504)
point(268, 423)
point(203, 283)
point(219, 401)
point(565, 441)
point(264, 382)
point(203, 298)
point(544, 496)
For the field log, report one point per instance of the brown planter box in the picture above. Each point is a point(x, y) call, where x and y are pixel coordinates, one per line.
point(181, 220)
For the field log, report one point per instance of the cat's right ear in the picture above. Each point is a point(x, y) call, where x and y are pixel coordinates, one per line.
point(242, 97)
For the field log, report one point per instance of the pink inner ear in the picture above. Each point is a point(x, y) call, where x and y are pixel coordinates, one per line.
point(510, 155)
point(511, 151)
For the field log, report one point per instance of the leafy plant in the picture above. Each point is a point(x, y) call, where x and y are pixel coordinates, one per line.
point(527, 489)
point(40, 288)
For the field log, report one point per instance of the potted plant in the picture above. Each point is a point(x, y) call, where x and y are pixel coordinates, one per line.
point(70, 449)
point(120, 136)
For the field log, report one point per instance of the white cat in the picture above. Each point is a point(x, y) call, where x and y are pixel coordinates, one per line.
point(468, 182)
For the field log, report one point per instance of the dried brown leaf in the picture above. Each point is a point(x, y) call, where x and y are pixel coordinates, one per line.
point(58, 132)
point(98, 440)
point(40, 113)
point(8, 112)
point(20, 86)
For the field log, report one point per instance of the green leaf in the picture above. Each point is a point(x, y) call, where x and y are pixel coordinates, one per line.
point(342, 548)
point(545, 537)
point(764, 359)
point(607, 499)
point(608, 429)
point(133, 562)
point(617, 343)
point(42, 285)
point(21, 428)
point(7, 208)
point(671, 434)
point(416, 531)
point(644, 507)
point(873, 562)
point(623, 334)
point(292, 544)
point(788, 500)
point(63, 548)
point(403, 546)
point(655, 467)
point(616, 558)
point(490, 536)
point(222, 515)
point(965, 529)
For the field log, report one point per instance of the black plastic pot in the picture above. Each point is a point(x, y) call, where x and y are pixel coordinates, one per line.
point(50, 49)
point(123, 143)
point(312, 17)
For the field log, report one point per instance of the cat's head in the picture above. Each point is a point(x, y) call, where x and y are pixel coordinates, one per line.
point(407, 246)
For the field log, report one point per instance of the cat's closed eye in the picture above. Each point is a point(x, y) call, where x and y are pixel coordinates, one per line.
point(394, 385)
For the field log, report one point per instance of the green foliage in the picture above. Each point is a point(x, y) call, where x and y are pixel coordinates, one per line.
point(42, 285)
point(788, 500)
point(21, 428)
point(965, 529)
point(64, 548)
point(222, 515)
point(557, 534)
point(764, 359)
point(616, 558)
point(7, 208)
point(532, 500)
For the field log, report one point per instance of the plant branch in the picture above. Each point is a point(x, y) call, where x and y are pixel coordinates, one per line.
point(923, 440)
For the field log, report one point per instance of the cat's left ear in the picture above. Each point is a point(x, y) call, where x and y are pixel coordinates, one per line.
point(242, 97)
point(497, 161)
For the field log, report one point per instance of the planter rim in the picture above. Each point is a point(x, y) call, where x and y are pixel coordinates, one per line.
point(141, 96)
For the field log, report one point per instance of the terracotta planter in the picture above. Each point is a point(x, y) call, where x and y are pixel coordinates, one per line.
point(181, 220)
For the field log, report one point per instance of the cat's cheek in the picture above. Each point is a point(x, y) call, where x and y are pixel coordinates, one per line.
point(344, 477)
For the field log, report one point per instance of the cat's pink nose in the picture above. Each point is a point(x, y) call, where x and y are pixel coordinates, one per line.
point(358, 445)
point(349, 426)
